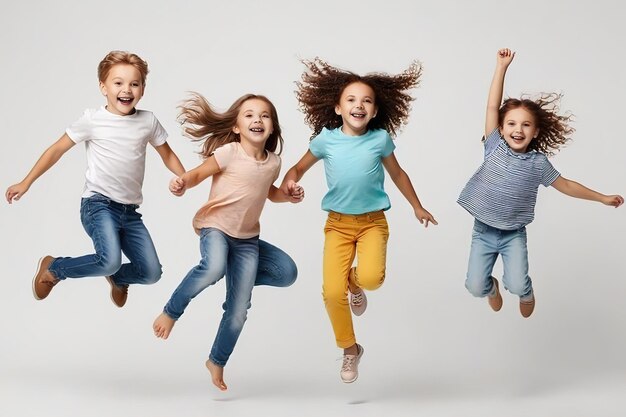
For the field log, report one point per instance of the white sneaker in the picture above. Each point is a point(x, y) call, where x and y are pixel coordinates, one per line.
point(358, 302)
point(350, 366)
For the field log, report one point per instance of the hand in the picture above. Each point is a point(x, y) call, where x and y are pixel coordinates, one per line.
point(613, 200)
point(296, 192)
point(16, 191)
point(177, 186)
point(425, 217)
point(505, 56)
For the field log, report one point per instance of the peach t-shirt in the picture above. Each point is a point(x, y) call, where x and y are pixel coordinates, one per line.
point(238, 192)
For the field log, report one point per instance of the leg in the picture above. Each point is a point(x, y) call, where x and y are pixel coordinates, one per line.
point(371, 249)
point(100, 219)
point(241, 271)
point(339, 252)
point(212, 266)
point(276, 268)
point(483, 255)
point(144, 266)
point(515, 262)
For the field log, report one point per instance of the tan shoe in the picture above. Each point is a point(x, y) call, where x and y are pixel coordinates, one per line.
point(119, 293)
point(527, 307)
point(350, 366)
point(495, 301)
point(358, 302)
point(44, 280)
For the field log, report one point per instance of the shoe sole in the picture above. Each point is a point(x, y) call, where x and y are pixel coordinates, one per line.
point(34, 283)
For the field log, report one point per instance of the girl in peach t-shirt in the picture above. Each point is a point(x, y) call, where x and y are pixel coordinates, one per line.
point(239, 151)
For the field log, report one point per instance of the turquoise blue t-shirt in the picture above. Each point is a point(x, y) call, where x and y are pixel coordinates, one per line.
point(354, 170)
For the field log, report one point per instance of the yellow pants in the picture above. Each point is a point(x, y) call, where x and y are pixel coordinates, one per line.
point(347, 235)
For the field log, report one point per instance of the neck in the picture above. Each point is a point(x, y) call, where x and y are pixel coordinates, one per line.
point(253, 150)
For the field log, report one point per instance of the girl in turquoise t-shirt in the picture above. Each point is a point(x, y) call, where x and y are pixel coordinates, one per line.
point(352, 118)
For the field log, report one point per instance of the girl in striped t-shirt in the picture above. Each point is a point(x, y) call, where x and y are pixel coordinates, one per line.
point(501, 195)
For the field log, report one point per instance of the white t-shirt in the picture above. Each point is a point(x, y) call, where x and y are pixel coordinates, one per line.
point(116, 151)
point(238, 192)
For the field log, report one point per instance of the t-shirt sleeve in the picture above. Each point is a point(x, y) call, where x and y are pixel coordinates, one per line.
point(549, 174)
point(388, 146)
point(492, 141)
point(278, 165)
point(317, 146)
point(81, 129)
point(224, 154)
point(159, 135)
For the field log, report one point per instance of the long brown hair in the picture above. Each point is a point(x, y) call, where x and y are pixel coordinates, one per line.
point(321, 87)
point(201, 123)
point(554, 129)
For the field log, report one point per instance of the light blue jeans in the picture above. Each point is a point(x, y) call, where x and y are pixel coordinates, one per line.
point(245, 263)
point(489, 242)
point(114, 228)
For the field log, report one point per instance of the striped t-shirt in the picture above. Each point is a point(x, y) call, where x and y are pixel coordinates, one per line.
point(503, 191)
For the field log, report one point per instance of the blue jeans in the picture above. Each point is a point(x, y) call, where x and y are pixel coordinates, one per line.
point(114, 228)
point(245, 263)
point(489, 242)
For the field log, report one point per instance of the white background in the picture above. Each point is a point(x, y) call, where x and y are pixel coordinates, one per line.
point(431, 348)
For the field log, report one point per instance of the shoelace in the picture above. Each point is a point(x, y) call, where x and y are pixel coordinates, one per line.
point(348, 362)
point(357, 299)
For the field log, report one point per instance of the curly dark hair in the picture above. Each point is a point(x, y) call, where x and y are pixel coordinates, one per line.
point(201, 123)
point(321, 87)
point(554, 129)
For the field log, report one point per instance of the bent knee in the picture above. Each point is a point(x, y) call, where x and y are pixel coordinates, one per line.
point(370, 281)
point(153, 274)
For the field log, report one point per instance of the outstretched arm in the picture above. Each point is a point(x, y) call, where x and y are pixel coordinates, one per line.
point(290, 185)
point(574, 189)
point(193, 177)
point(170, 159)
point(505, 56)
point(403, 182)
point(44, 163)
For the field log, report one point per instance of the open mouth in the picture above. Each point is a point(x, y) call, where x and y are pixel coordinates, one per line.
point(358, 115)
point(125, 100)
point(257, 129)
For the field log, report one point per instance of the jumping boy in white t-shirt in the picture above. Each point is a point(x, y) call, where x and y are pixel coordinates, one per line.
point(115, 136)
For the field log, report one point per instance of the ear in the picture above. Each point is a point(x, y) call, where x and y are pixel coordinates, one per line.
point(337, 110)
point(536, 134)
point(103, 88)
point(375, 111)
point(236, 130)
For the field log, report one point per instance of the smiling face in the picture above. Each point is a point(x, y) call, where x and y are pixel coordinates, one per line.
point(356, 107)
point(518, 129)
point(254, 123)
point(123, 89)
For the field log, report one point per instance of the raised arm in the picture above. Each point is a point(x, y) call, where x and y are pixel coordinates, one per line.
point(574, 189)
point(44, 163)
point(170, 159)
point(193, 177)
point(295, 173)
point(505, 56)
point(403, 182)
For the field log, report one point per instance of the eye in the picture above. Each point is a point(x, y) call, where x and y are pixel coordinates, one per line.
point(117, 83)
point(135, 84)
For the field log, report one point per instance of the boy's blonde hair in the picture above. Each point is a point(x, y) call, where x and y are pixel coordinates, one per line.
point(122, 57)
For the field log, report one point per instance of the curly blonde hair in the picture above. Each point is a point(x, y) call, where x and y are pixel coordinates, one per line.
point(321, 87)
point(554, 129)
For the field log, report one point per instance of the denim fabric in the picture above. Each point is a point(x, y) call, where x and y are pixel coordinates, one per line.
point(114, 228)
point(221, 255)
point(489, 242)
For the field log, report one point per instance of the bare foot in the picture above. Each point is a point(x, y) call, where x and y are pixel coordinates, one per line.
point(217, 374)
point(162, 325)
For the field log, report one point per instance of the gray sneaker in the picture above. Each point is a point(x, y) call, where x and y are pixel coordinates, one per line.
point(350, 366)
point(358, 302)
